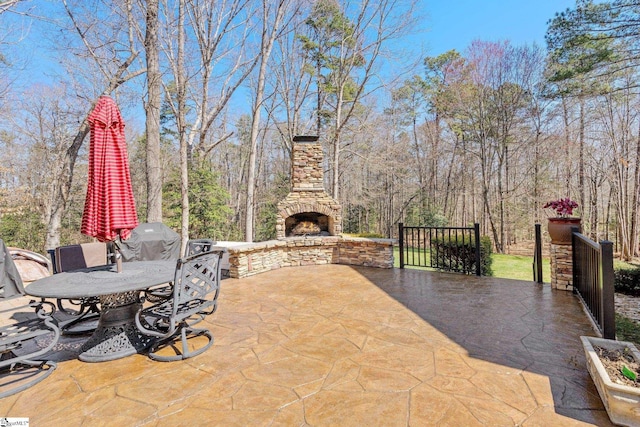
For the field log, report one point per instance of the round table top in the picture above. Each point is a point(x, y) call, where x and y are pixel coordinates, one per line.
point(104, 280)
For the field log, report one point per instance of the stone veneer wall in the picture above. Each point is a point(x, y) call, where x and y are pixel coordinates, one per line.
point(561, 267)
point(254, 258)
point(307, 189)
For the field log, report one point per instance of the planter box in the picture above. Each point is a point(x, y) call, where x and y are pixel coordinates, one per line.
point(622, 402)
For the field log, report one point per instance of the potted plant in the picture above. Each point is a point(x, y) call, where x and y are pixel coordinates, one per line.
point(560, 226)
point(613, 366)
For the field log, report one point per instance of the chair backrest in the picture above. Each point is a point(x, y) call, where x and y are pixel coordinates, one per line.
point(197, 246)
point(10, 280)
point(197, 283)
point(75, 257)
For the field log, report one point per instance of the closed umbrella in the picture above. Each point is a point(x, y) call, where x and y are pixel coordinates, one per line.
point(109, 209)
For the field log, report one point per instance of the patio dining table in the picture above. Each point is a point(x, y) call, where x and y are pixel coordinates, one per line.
point(116, 335)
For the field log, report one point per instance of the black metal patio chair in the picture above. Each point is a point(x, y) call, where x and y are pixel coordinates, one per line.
point(29, 333)
point(85, 311)
point(195, 293)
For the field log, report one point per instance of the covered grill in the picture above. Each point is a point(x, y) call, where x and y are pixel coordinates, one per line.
point(149, 242)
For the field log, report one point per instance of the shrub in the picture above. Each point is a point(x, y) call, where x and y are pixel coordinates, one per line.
point(486, 249)
point(458, 255)
point(627, 280)
point(23, 230)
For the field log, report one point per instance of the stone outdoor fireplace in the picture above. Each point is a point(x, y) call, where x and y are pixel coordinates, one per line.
point(308, 210)
point(308, 226)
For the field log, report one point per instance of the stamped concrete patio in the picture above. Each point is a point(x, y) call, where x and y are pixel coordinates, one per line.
point(341, 346)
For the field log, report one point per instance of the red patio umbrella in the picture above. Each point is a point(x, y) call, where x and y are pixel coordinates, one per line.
point(109, 209)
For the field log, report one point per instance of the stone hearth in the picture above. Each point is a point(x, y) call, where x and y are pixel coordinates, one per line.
point(249, 259)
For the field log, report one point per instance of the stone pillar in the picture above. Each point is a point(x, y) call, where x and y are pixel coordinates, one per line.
point(561, 267)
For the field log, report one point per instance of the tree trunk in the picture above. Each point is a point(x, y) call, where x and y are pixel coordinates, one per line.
point(634, 204)
point(336, 145)
point(62, 187)
point(154, 84)
point(182, 129)
point(567, 140)
point(581, 143)
point(266, 47)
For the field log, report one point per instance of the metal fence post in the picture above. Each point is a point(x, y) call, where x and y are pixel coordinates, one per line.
point(537, 257)
point(476, 229)
point(607, 283)
point(401, 243)
point(575, 280)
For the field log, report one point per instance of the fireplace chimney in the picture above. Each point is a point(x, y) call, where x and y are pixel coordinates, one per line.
point(307, 173)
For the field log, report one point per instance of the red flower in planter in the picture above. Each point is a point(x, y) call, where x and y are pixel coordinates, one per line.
point(563, 207)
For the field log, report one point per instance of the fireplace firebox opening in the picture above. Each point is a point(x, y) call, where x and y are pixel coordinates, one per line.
point(308, 224)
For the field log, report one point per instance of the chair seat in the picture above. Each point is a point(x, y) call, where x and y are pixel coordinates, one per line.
point(159, 293)
point(164, 312)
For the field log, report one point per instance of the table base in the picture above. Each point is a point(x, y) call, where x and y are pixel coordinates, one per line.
point(116, 335)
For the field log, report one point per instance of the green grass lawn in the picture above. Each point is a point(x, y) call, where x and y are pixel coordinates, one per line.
point(627, 329)
point(518, 267)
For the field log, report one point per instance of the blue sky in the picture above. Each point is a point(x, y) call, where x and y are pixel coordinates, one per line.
point(455, 24)
point(445, 25)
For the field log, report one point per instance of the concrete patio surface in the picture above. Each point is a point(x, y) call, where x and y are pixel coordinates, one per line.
point(336, 345)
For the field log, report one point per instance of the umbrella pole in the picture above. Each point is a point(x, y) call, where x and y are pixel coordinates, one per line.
point(116, 256)
point(118, 261)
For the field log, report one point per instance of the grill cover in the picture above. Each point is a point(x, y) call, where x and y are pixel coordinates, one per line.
point(149, 242)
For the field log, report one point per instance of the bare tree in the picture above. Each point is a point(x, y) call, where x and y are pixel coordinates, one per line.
point(47, 123)
point(221, 31)
point(5, 5)
point(272, 18)
point(618, 117)
point(152, 108)
point(347, 41)
point(176, 30)
point(100, 48)
point(291, 82)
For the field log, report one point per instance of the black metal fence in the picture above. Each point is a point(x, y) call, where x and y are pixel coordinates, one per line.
point(420, 247)
point(593, 280)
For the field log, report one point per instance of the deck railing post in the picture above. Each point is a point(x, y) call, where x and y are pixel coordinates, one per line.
point(537, 256)
point(476, 229)
point(575, 252)
point(607, 283)
point(401, 243)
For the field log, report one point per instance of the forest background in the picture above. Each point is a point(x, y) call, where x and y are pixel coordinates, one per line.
point(486, 135)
